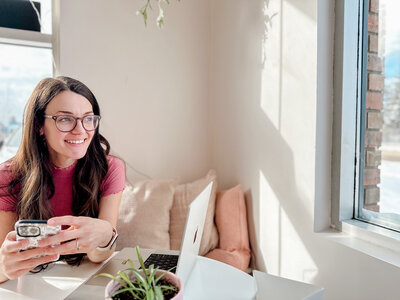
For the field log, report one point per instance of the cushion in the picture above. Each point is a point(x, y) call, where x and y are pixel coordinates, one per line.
point(231, 220)
point(237, 258)
point(144, 214)
point(184, 195)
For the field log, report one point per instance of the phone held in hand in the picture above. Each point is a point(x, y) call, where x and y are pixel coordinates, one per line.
point(34, 230)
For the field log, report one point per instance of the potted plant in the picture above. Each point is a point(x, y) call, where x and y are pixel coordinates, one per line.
point(149, 284)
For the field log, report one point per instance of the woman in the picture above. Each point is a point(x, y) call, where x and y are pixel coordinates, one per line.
point(61, 173)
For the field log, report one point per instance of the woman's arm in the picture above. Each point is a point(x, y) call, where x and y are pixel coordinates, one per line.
point(108, 211)
point(7, 221)
point(85, 234)
point(14, 263)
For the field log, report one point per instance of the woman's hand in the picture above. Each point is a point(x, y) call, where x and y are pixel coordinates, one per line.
point(84, 235)
point(15, 263)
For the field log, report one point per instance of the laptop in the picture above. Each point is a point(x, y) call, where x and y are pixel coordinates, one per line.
point(186, 258)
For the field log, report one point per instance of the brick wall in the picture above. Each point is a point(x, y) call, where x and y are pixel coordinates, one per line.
point(374, 118)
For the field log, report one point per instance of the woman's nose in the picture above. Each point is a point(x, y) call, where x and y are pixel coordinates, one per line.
point(79, 127)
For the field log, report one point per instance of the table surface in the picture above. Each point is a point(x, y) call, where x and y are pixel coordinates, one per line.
point(209, 279)
point(59, 280)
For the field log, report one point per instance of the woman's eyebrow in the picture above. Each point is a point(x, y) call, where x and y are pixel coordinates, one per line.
point(70, 113)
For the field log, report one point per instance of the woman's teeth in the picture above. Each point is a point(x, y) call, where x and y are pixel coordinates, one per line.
point(75, 141)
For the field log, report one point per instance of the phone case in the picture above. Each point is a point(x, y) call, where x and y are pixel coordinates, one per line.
point(34, 230)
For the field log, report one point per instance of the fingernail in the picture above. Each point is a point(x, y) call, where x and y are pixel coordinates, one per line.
point(50, 222)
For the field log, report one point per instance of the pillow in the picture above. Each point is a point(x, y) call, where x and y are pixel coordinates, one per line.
point(184, 195)
point(231, 220)
point(144, 214)
point(237, 258)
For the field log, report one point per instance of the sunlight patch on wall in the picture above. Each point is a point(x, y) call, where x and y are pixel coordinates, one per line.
point(269, 230)
point(271, 62)
point(297, 262)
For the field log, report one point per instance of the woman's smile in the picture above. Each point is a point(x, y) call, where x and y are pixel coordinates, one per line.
point(76, 142)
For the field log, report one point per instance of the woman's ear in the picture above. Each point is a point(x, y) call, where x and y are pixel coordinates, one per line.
point(41, 131)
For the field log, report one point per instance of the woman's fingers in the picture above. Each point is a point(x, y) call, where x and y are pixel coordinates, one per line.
point(61, 236)
point(15, 263)
point(70, 247)
point(23, 267)
point(88, 233)
point(66, 220)
point(11, 245)
point(34, 262)
point(34, 253)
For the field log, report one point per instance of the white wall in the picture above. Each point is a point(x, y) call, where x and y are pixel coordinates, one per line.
point(152, 84)
point(264, 99)
point(226, 84)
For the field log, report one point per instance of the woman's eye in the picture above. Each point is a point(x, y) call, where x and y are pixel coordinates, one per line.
point(65, 119)
point(88, 119)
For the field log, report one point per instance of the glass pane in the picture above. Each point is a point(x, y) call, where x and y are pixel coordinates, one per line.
point(390, 175)
point(21, 68)
point(380, 166)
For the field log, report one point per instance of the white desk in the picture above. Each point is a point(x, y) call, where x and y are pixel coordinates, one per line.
point(56, 282)
point(209, 280)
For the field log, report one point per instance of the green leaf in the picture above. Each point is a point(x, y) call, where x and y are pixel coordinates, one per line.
point(140, 279)
point(130, 262)
point(121, 282)
point(139, 256)
point(163, 274)
point(168, 287)
point(126, 278)
point(158, 293)
point(144, 14)
point(152, 274)
point(160, 19)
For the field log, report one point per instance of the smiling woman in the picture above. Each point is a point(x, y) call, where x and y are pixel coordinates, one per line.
point(61, 173)
point(68, 139)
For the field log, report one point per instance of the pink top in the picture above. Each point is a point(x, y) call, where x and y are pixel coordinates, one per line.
point(61, 202)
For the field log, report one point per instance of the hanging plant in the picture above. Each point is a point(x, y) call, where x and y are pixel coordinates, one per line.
point(160, 19)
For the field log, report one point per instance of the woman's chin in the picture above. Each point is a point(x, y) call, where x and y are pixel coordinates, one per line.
point(78, 155)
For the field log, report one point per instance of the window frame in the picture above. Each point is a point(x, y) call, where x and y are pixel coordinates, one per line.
point(20, 37)
point(348, 117)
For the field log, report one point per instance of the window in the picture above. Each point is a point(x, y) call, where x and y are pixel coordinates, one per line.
point(379, 195)
point(366, 129)
point(26, 57)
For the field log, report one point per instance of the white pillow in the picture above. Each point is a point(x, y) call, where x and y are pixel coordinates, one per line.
point(144, 214)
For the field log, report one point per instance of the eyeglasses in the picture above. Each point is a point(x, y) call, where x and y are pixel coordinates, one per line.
point(68, 123)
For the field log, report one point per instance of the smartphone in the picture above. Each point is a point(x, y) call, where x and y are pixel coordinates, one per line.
point(34, 230)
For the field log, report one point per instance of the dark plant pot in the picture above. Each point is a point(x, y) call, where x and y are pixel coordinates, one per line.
point(19, 14)
point(113, 286)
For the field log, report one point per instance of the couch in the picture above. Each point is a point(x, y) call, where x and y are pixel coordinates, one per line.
point(153, 215)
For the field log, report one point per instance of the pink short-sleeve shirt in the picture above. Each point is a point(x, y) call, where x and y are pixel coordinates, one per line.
point(61, 202)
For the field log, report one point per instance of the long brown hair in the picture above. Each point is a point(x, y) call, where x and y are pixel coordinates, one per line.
point(32, 185)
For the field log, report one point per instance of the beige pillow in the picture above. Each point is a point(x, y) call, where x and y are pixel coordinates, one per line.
point(144, 214)
point(184, 195)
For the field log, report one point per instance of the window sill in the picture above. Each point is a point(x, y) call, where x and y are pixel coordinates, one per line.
point(25, 38)
point(369, 239)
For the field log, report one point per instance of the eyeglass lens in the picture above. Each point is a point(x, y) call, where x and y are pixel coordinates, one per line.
point(68, 123)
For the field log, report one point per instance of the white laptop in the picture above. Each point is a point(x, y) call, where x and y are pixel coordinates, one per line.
point(187, 255)
point(192, 236)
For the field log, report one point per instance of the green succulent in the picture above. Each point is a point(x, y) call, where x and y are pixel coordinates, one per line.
point(160, 19)
point(141, 286)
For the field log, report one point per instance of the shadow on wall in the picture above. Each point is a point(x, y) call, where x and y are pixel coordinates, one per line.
point(261, 88)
